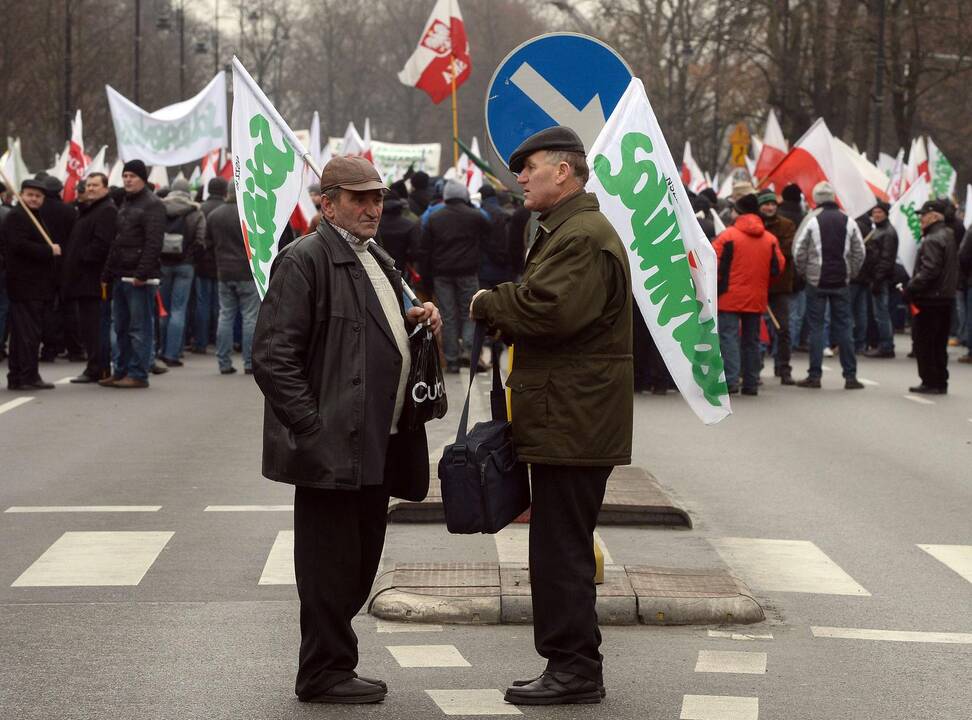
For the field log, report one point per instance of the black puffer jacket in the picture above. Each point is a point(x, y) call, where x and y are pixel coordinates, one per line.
point(135, 250)
point(880, 252)
point(935, 278)
point(30, 260)
point(88, 249)
point(224, 237)
point(452, 239)
point(206, 260)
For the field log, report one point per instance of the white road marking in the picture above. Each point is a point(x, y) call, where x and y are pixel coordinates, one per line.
point(871, 383)
point(786, 566)
point(387, 626)
point(513, 545)
point(892, 635)
point(472, 702)
point(826, 368)
point(739, 636)
point(919, 400)
point(248, 508)
point(608, 560)
point(731, 661)
point(719, 707)
point(427, 656)
point(279, 568)
point(79, 559)
point(64, 380)
point(82, 508)
point(957, 557)
point(15, 403)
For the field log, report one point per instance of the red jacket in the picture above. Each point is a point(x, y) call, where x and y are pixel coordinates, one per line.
point(748, 257)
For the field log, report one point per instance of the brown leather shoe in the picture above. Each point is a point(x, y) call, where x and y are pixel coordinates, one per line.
point(109, 381)
point(127, 383)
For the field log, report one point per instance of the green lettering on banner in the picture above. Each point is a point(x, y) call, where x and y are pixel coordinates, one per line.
point(658, 242)
point(268, 171)
point(914, 222)
point(943, 176)
point(161, 137)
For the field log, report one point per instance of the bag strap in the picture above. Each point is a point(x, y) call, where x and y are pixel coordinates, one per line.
point(479, 338)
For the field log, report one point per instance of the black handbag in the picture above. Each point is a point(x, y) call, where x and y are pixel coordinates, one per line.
point(484, 487)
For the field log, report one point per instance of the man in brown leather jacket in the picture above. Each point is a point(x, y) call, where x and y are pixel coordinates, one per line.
point(331, 355)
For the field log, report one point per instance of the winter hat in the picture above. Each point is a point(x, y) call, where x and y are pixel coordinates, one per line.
point(766, 196)
point(792, 193)
point(53, 186)
point(933, 206)
point(881, 205)
point(710, 195)
point(487, 191)
point(742, 187)
point(420, 180)
point(180, 185)
point(747, 205)
point(455, 191)
point(217, 186)
point(823, 192)
point(33, 184)
point(137, 167)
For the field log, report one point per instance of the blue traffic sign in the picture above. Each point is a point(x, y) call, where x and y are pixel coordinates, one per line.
point(555, 79)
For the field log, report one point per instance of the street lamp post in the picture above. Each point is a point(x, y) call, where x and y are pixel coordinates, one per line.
point(137, 50)
point(68, 62)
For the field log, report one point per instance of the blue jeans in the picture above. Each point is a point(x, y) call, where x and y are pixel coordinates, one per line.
point(175, 287)
point(858, 300)
point(454, 293)
point(207, 305)
point(798, 311)
point(133, 309)
point(882, 319)
point(241, 296)
point(838, 302)
point(729, 342)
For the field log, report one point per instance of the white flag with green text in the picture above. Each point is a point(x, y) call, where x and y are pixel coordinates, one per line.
point(673, 266)
point(267, 172)
point(906, 222)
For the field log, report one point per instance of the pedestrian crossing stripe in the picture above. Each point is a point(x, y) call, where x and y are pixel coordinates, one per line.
point(279, 568)
point(955, 557)
point(472, 702)
point(731, 661)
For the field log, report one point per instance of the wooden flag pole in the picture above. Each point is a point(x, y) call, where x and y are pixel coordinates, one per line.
point(455, 118)
point(30, 214)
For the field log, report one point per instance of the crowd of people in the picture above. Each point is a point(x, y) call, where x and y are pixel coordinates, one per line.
point(130, 279)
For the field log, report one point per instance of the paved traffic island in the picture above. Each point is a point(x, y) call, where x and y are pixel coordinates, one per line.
point(494, 593)
point(633, 497)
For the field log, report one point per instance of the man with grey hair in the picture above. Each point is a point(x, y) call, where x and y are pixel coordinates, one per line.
point(451, 243)
point(331, 356)
point(572, 390)
point(828, 252)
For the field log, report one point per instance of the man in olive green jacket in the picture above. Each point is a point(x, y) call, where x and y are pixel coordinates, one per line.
point(572, 402)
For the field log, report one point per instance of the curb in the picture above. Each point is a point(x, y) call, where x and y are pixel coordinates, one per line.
point(491, 594)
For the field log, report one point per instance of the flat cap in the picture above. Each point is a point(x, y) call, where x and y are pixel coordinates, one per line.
point(351, 173)
point(557, 137)
point(32, 183)
point(932, 206)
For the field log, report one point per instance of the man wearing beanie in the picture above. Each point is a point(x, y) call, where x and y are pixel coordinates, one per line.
point(781, 288)
point(749, 257)
point(450, 245)
point(828, 252)
point(874, 280)
point(133, 262)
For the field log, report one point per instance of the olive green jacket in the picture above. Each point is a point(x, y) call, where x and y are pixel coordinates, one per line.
point(570, 317)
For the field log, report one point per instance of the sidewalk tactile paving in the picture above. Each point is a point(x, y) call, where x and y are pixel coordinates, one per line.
point(633, 497)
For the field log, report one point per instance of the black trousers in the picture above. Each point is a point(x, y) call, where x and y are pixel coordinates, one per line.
point(338, 537)
point(61, 330)
point(931, 328)
point(563, 516)
point(88, 312)
point(26, 319)
point(780, 305)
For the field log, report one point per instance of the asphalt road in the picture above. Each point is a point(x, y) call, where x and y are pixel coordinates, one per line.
point(122, 595)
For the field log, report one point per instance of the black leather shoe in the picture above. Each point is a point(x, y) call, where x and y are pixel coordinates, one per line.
point(787, 379)
point(853, 384)
point(171, 362)
point(37, 384)
point(373, 681)
point(521, 683)
point(555, 688)
point(927, 390)
point(808, 383)
point(750, 391)
point(353, 691)
point(157, 369)
point(83, 379)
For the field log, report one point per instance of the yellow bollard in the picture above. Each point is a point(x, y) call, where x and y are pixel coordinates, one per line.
point(598, 564)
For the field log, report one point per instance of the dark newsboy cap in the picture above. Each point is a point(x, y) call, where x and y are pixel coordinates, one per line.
point(932, 206)
point(557, 137)
point(35, 184)
point(351, 173)
point(747, 205)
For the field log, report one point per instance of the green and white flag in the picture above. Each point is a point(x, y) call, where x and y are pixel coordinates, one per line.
point(673, 266)
point(904, 218)
point(268, 166)
point(943, 175)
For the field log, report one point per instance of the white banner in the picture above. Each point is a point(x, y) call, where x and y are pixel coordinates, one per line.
point(673, 266)
point(398, 156)
point(906, 222)
point(175, 134)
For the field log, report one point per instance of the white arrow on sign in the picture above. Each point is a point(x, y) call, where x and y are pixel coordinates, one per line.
point(587, 123)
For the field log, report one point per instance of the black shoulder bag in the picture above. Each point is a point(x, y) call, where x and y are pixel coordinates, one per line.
point(484, 487)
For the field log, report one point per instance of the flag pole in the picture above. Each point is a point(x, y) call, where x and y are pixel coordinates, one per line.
point(455, 118)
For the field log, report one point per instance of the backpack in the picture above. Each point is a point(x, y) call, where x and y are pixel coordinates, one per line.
point(174, 238)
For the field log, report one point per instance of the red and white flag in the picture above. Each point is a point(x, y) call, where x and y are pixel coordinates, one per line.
point(353, 143)
point(443, 42)
point(917, 164)
point(815, 158)
point(76, 161)
point(692, 176)
point(366, 142)
point(896, 185)
point(773, 147)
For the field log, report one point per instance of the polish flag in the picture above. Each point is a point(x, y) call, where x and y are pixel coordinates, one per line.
point(468, 172)
point(692, 176)
point(76, 161)
point(209, 164)
point(815, 158)
point(876, 180)
point(896, 183)
point(353, 143)
point(773, 147)
point(225, 167)
point(917, 163)
point(366, 142)
point(442, 49)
